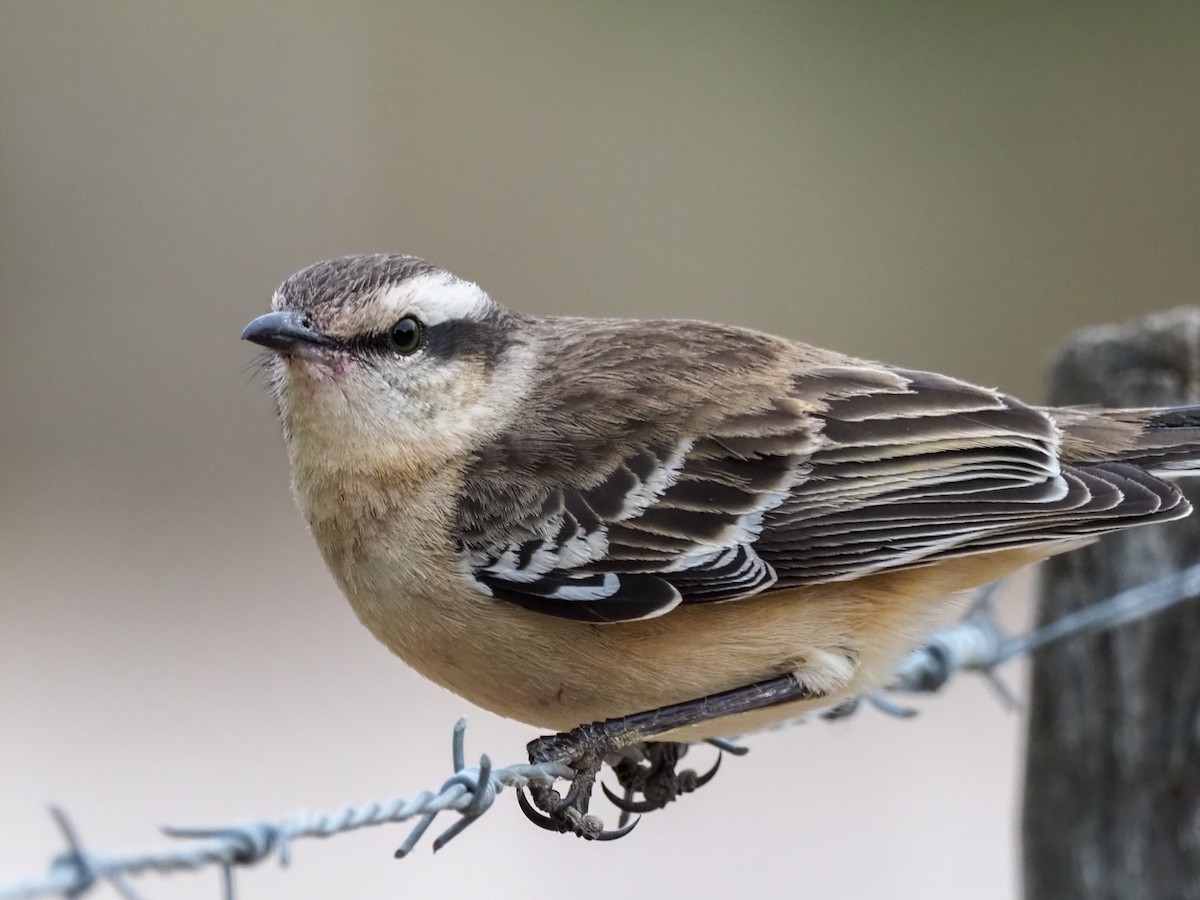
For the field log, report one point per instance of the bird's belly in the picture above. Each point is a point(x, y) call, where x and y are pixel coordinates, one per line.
point(556, 673)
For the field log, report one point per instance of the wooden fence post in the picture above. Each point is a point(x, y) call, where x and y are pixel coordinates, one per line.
point(1112, 783)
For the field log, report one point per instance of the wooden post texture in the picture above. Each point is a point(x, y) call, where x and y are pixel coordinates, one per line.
point(1112, 784)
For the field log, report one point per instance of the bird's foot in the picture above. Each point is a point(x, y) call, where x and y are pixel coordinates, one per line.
point(653, 773)
point(588, 747)
point(584, 750)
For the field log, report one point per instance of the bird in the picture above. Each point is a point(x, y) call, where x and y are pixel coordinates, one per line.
point(658, 531)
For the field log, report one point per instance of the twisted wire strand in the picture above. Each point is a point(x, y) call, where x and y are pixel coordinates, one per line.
point(470, 791)
point(974, 644)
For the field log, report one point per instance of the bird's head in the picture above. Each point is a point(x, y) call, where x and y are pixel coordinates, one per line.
point(382, 358)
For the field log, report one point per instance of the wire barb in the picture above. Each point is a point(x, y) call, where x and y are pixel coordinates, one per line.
point(478, 783)
point(975, 644)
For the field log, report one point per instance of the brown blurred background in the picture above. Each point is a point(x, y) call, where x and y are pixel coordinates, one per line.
point(936, 185)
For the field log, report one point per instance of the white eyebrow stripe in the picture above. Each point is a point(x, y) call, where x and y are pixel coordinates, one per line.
point(435, 297)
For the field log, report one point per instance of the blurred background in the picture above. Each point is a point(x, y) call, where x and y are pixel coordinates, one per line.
point(937, 185)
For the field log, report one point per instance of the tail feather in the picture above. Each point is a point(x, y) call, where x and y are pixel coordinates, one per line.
point(1164, 441)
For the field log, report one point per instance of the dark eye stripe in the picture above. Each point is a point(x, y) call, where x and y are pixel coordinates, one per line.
point(457, 338)
point(461, 339)
point(468, 339)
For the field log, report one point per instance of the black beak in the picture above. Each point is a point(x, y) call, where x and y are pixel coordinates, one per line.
point(285, 332)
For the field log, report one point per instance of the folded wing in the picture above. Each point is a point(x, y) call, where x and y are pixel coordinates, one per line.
point(857, 469)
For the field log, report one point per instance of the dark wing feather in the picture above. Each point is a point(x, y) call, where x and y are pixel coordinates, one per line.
point(859, 469)
point(944, 470)
point(662, 525)
point(604, 597)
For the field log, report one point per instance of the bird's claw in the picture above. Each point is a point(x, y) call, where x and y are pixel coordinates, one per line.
point(630, 806)
point(567, 819)
point(704, 779)
point(613, 834)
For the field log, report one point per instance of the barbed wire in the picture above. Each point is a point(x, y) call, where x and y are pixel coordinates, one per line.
point(976, 644)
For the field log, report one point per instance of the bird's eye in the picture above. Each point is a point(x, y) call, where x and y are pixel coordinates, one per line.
point(406, 335)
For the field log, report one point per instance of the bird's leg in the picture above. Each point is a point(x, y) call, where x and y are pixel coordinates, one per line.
point(586, 748)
